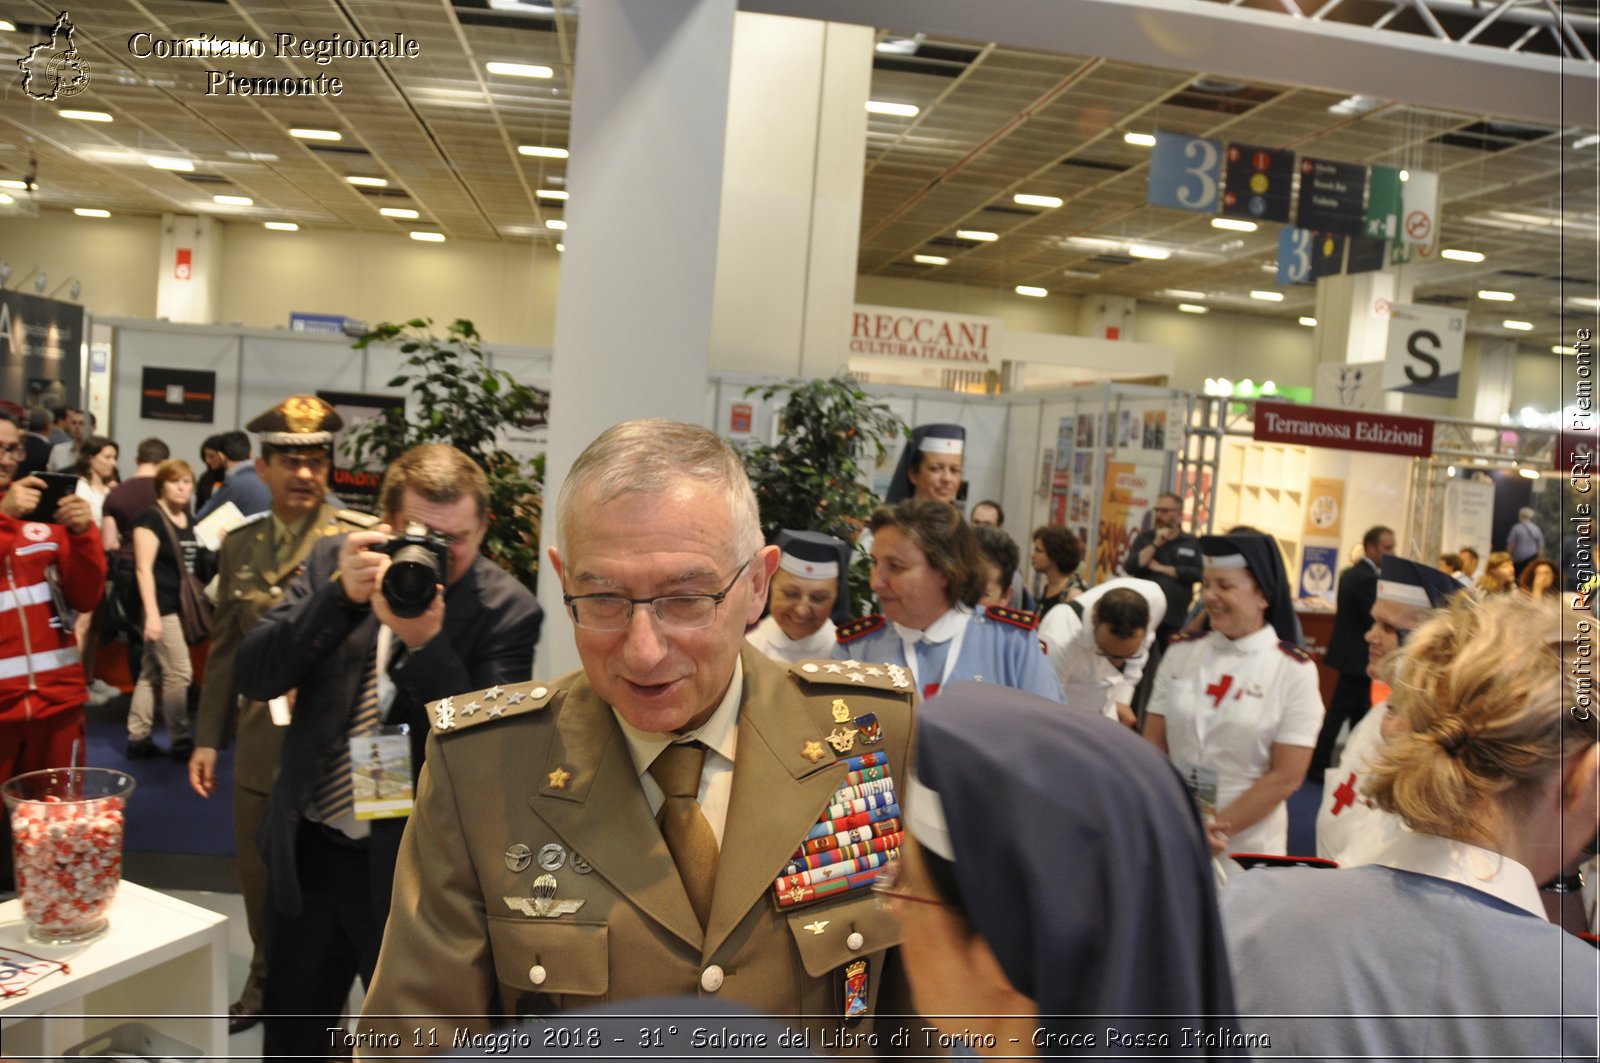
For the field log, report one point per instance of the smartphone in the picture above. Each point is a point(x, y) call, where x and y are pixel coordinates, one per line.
point(58, 485)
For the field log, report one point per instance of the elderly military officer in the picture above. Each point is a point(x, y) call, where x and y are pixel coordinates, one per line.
point(682, 816)
point(258, 559)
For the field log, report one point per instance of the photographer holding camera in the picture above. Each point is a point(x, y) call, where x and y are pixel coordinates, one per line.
point(379, 623)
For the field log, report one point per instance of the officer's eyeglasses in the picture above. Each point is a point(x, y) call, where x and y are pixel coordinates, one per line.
point(14, 450)
point(886, 889)
point(612, 612)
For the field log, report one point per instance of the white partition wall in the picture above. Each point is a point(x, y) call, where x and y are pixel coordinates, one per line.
point(255, 369)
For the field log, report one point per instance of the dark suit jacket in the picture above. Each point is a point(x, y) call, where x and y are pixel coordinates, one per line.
point(1347, 646)
point(314, 642)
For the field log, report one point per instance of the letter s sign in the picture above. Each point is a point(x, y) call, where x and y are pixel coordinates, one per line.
point(1422, 354)
point(1414, 347)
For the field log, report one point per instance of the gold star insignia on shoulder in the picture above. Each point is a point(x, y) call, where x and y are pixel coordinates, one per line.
point(813, 752)
point(558, 779)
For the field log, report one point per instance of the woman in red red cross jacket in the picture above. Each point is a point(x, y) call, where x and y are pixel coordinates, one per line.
point(42, 692)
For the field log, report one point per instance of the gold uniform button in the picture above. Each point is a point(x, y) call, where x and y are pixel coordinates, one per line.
point(537, 974)
point(711, 979)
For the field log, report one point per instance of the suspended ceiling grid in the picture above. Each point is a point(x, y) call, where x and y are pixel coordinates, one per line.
point(994, 120)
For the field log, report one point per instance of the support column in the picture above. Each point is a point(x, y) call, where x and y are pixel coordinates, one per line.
point(1497, 368)
point(634, 315)
point(791, 204)
point(188, 269)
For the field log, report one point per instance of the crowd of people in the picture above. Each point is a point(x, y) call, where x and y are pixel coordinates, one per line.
point(732, 793)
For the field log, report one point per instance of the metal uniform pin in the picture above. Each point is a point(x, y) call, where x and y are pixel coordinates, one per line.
point(552, 857)
point(842, 739)
point(580, 865)
point(543, 904)
point(446, 717)
point(813, 752)
point(841, 711)
point(869, 728)
point(558, 778)
point(518, 857)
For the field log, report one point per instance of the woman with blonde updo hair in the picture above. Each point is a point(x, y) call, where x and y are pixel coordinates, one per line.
point(1492, 762)
point(1499, 574)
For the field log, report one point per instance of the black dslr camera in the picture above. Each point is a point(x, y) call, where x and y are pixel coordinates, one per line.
point(420, 561)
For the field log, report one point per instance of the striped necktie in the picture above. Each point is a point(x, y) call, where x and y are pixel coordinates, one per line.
point(335, 796)
point(689, 837)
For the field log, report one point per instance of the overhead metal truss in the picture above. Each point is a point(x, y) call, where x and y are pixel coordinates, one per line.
point(1510, 25)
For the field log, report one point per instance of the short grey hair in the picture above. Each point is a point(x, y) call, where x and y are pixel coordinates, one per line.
point(1525, 513)
point(652, 457)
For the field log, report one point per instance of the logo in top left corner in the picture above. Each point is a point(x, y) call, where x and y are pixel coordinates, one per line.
point(55, 70)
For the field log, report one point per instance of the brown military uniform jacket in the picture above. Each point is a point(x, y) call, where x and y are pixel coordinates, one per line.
point(555, 770)
point(249, 582)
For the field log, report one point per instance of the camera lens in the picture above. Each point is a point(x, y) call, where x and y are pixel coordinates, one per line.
point(411, 581)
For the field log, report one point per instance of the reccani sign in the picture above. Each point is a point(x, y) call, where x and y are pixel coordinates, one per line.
point(1319, 426)
point(895, 332)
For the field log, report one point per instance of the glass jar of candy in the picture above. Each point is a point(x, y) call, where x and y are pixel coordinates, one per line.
point(66, 829)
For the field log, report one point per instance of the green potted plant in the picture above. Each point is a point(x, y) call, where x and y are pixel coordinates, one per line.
point(813, 478)
point(458, 399)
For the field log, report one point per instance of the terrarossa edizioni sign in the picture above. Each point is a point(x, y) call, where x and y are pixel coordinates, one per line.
point(896, 332)
point(1319, 426)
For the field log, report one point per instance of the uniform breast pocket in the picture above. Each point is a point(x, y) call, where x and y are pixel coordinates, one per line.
point(830, 936)
point(558, 958)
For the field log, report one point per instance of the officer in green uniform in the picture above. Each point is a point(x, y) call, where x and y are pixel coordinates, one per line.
point(681, 817)
point(258, 559)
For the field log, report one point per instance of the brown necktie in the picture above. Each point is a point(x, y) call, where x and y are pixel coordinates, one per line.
point(689, 838)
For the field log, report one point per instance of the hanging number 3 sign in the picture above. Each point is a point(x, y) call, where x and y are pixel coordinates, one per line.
point(1185, 173)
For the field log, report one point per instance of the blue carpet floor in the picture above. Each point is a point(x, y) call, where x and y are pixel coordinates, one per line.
point(164, 814)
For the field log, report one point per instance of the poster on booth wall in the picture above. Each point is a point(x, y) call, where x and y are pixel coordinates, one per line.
point(40, 340)
point(1468, 516)
point(356, 483)
point(1319, 574)
point(1129, 493)
point(1324, 508)
point(1066, 437)
point(178, 395)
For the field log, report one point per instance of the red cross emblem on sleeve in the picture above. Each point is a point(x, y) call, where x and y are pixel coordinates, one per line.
point(1219, 690)
point(1345, 795)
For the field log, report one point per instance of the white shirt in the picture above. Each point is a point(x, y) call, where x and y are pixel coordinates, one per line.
point(96, 499)
point(721, 737)
point(951, 627)
point(1490, 872)
point(1088, 680)
point(769, 638)
point(1227, 702)
point(1349, 826)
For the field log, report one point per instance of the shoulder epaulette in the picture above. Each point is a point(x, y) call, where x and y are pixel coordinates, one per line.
point(252, 519)
point(865, 625)
point(873, 676)
point(1297, 652)
point(460, 711)
point(1015, 617)
point(1186, 636)
point(358, 518)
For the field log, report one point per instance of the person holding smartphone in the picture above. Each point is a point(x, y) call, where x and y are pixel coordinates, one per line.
point(51, 564)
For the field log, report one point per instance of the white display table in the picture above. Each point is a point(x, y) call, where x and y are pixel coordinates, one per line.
point(162, 961)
